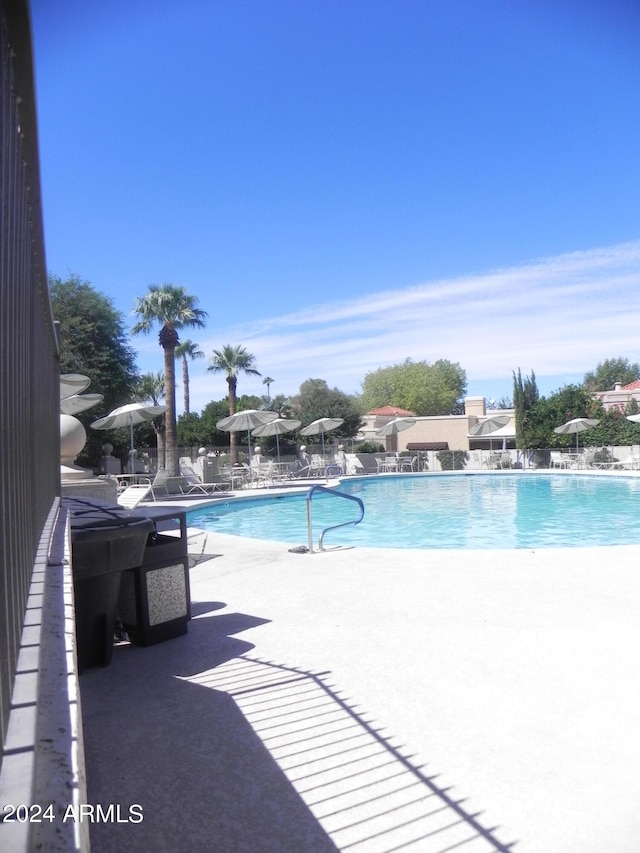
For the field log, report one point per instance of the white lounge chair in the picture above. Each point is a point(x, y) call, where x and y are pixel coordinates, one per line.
point(133, 495)
point(191, 483)
point(354, 465)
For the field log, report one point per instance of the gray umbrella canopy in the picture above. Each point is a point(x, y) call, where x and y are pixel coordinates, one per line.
point(72, 401)
point(395, 426)
point(576, 425)
point(79, 403)
point(73, 383)
point(129, 416)
point(245, 421)
point(277, 427)
point(320, 426)
point(489, 425)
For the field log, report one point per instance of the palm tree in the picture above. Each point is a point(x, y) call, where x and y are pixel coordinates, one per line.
point(187, 348)
point(150, 389)
point(280, 404)
point(268, 381)
point(174, 308)
point(232, 361)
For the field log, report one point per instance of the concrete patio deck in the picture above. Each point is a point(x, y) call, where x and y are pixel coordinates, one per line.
point(374, 700)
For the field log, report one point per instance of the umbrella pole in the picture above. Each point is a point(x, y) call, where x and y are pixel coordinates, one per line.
point(278, 447)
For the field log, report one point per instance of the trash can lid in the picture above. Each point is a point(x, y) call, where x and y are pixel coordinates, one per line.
point(90, 518)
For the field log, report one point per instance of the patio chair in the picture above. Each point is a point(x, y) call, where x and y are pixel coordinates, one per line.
point(132, 495)
point(318, 464)
point(354, 465)
point(558, 460)
point(165, 484)
point(260, 474)
point(628, 462)
point(505, 459)
point(191, 483)
point(235, 476)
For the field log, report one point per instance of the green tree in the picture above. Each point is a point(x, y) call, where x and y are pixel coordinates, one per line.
point(210, 435)
point(614, 428)
point(525, 396)
point(610, 371)
point(547, 413)
point(173, 308)
point(189, 430)
point(232, 361)
point(426, 389)
point(187, 350)
point(268, 381)
point(93, 342)
point(150, 389)
point(280, 404)
point(456, 378)
point(316, 400)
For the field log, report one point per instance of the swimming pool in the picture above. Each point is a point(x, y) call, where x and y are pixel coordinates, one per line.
point(447, 511)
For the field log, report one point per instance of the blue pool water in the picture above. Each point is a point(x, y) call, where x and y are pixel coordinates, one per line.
point(480, 511)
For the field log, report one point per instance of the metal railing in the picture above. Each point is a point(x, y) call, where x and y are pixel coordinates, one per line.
point(29, 367)
point(326, 490)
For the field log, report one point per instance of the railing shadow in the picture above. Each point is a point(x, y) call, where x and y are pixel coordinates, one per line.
point(266, 758)
point(187, 756)
point(366, 794)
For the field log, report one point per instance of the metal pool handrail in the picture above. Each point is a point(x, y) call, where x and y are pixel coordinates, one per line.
point(339, 494)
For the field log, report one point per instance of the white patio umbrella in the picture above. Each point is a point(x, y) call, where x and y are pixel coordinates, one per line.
point(277, 427)
point(576, 425)
point(79, 403)
point(129, 416)
point(634, 418)
point(488, 426)
point(73, 383)
point(320, 426)
point(245, 421)
point(395, 426)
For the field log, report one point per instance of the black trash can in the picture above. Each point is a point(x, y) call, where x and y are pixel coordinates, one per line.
point(155, 598)
point(105, 541)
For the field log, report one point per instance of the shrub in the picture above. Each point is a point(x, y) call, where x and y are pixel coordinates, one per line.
point(452, 460)
point(369, 447)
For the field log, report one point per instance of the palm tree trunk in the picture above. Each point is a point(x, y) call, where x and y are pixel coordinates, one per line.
point(185, 384)
point(160, 430)
point(171, 449)
point(233, 449)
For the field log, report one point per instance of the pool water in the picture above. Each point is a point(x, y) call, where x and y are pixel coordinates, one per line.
point(450, 511)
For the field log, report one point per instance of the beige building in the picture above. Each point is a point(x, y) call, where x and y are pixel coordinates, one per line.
point(620, 396)
point(441, 432)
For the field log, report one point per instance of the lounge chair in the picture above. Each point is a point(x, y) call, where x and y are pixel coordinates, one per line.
point(191, 483)
point(165, 484)
point(353, 464)
point(132, 495)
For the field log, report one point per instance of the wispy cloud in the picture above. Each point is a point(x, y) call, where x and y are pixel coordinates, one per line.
point(558, 315)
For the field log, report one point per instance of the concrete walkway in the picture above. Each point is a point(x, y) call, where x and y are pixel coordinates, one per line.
point(376, 700)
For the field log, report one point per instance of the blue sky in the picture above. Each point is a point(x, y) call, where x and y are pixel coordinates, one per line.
point(348, 183)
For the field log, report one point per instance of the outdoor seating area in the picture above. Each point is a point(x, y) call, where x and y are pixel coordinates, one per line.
point(265, 472)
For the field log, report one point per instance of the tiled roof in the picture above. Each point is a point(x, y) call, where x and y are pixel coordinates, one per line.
point(632, 386)
point(391, 410)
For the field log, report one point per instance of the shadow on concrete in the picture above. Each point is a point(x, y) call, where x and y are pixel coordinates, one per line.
point(367, 794)
point(224, 752)
point(186, 755)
